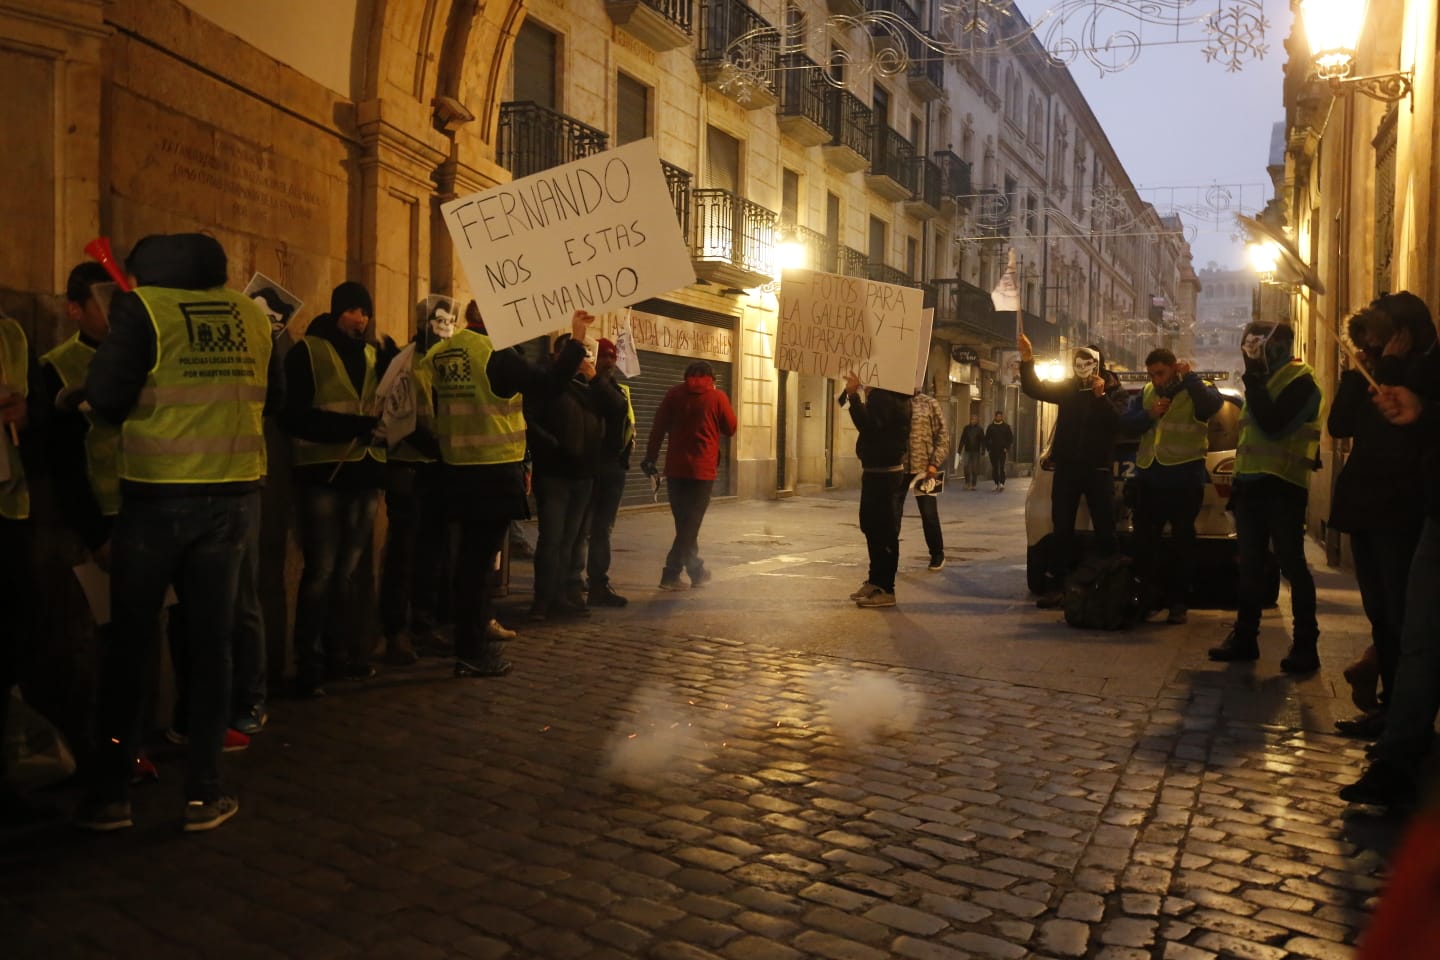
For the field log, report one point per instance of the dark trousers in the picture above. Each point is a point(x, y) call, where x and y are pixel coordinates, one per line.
point(197, 544)
point(929, 506)
point(1165, 580)
point(248, 687)
point(970, 462)
point(1382, 568)
point(561, 503)
point(1263, 523)
point(689, 499)
point(882, 502)
point(997, 466)
point(482, 534)
point(1410, 715)
point(1098, 489)
point(335, 526)
point(591, 555)
point(416, 546)
point(16, 623)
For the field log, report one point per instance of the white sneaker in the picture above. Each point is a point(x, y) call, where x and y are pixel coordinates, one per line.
point(495, 630)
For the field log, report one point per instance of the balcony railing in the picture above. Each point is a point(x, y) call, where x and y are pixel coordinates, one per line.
point(677, 181)
point(723, 24)
point(901, 9)
point(884, 273)
point(663, 24)
point(804, 96)
point(954, 176)
point(925, 202)
point(819, 252)
point(927, 68)
point(853, 263)
point(732, 231)
point(966, 307)
point(534, 138)
point(892, 158)
point(848, 121)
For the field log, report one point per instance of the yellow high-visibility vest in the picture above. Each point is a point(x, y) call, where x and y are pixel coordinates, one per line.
point(198, 416)
point(1290, 458)
point(1178, 437)
point(15, 374)
point(334, 392)
point(473, 425)
point(71, 361)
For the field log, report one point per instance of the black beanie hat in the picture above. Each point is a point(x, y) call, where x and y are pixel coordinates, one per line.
point(348, 296)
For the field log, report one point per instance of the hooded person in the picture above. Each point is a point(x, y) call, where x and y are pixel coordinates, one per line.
point(1082, 452)
point(696, 417)
point(1277, 451)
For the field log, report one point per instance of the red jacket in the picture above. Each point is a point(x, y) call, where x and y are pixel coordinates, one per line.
point(696, 416)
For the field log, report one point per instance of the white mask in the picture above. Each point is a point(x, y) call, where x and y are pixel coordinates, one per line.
point(442, 323)
point(1253, 345)
point(1085, 367)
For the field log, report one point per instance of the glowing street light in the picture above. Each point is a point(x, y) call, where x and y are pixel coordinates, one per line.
point(1334, 28)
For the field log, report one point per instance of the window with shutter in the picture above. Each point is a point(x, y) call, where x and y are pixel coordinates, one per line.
point(632, 110)
point(538, 49)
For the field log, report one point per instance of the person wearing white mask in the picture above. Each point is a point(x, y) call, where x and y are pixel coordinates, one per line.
point(1082, 450)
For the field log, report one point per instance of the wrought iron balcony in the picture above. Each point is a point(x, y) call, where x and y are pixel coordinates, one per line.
point(804, 95)
point(853, 263)
point(892, 164)
point(534, 138)
point(954, 183)
point(925, 202)
point(927, 68)
point(660, 24)
point(819, 251)
point(895, 38)
point(846, 8)
point(678, 183)
point(848, 121)
point(738, 53)
point(733, 239)
point(884, 273)
point(965, 309)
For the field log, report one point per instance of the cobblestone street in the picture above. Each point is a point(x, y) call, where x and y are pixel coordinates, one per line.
point(647, 791)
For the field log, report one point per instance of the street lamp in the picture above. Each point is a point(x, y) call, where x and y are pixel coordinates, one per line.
point(1264, 256)
point(1333, 28)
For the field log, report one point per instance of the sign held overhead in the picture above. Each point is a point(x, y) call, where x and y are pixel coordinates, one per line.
point(831, 325)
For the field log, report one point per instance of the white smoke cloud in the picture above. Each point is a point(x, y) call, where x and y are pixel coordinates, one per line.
point(863, 707)
point(656, 740)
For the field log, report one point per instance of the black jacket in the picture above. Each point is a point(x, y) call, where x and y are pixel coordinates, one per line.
point(124, 359)
point(1423, 377)
point(972, 438)
point(883, 421)
point(999, 437)
point(69, 470)
point(1085, 424)
point(1381, 486)
point(567, 433)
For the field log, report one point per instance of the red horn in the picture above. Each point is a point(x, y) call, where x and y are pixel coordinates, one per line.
point(99, 251)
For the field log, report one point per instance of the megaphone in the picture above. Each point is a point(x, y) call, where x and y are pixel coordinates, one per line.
point(99, 251)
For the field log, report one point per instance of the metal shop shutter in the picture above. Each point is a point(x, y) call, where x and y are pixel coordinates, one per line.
point(658, 373)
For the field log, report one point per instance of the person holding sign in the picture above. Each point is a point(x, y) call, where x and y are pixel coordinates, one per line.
point(1170, 416)
point(1082, 450)
point(883, 419)
point(695, 416)
point(592, 548)
point(331, 412)
point(473, 408)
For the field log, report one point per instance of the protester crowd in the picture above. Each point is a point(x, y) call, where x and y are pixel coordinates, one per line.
point(152, 419)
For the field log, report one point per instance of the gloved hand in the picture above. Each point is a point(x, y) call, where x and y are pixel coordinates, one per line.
point(648, 468)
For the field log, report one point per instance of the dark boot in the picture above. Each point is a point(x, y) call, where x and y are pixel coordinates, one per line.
point(1236, 649)
point(1302, 658)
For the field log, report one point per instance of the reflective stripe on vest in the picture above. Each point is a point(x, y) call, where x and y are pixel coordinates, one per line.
point(1175, 438)
point(1292, 457)
point(15, 374)
point(198, 416)
point(335, 393)
point(473, 425)
point(71, 361)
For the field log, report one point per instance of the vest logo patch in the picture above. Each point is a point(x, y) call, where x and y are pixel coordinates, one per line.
point(452, 366)
point(214, 326)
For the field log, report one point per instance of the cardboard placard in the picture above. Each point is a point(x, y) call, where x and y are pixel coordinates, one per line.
point(831, 325)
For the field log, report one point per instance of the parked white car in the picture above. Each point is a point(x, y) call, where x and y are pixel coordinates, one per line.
point(1216, 568)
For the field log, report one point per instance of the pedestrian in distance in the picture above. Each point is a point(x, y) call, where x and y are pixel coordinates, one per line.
point(999, 439)
point(972, 450)
point(1082, 451)
point(692, 420)
point(882, 419)
point(1278, 450)
point(929, 446)
point(1171, 417)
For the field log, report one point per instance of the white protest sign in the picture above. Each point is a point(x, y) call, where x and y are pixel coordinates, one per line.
point(626, 357)
point(596, 234)
point(831, 325)
point(922, 360)
point(396, 393)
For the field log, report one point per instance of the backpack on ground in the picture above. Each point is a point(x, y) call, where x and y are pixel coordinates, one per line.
point(1100, 594)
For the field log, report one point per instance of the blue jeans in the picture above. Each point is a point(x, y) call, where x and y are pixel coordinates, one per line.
point(689, 499)
point(335, 526)
point(1260, 522)
point(197, 544)
point(1410, 716)
point(591, 555)
point(561, 503)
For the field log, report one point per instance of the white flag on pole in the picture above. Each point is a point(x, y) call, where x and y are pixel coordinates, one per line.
point(1006, 295)
point(626, 358)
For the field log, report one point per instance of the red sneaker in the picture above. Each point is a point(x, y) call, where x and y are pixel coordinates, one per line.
point(235, 741)
point(145, 769)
